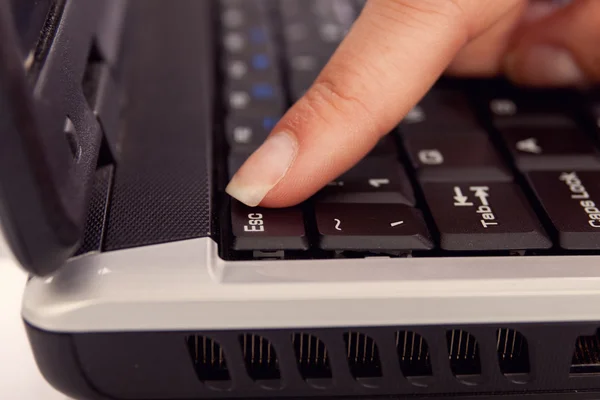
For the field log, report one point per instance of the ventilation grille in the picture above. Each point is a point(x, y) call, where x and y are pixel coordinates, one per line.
point(513, 352)
point(363, 355)
point(413, 353)
point(260, 358)
point(208, 358)
point(586, 357)
point(388, 360)
point(463, 352)
point(311, 353)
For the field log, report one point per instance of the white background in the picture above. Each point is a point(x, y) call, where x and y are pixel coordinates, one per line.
point(19, 376)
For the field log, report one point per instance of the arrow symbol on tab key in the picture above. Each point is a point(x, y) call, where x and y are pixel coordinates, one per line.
point(482, 192)
point(460, 200)
point(377, 183)
point(395, 224)
point(529, 146)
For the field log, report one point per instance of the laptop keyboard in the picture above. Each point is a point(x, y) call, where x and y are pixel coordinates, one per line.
point(478, 167)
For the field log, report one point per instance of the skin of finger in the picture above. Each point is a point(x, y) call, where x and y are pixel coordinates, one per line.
point(395, 52)
point(576, 27)
point(484, 55)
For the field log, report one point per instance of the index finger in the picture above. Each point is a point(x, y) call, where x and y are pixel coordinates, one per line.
point(395, 52)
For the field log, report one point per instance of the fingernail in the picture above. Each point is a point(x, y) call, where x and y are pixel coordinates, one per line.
point(264, 169)
point(546, 65)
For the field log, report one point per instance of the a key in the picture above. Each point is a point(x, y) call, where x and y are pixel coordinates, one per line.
point(509, 106)
point(463, 157)
point(373, 180)
point(482, 216)
point(371, 227)
point(243, 15)
point(551, 148)
point(251, 98)
point(572, 202)
point(245, 133)
point(255, 36)
point(267, 229)
point(441, 111)
point(251, 67)
point(386, 147)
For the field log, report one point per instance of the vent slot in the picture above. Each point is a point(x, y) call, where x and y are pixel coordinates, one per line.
point(363, 355)
point(209, 360)
point(260, 358)
point(463, 353)
point(413, 353)
point(311, 353)
point(586, 358)
point(513, 352)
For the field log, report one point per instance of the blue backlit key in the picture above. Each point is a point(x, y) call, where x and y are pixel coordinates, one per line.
point(263, 91)
point(261, 62)
point(257, 98)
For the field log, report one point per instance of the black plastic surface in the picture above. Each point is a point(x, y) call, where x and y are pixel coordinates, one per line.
point(158, 365)
point(93, 236)
point(29, 17)
point(162, 184)
point(58, 362)
point(49, 136)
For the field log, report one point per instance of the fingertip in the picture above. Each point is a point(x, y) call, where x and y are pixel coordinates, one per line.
point(264, 169)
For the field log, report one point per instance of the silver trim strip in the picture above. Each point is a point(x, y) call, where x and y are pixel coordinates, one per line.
point(185, 286)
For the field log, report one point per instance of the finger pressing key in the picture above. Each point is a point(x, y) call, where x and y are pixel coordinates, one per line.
point(395, 52)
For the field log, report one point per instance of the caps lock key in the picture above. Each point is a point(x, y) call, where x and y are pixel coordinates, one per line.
point(572, 201)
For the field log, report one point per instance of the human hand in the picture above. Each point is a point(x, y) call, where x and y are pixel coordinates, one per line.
point(395, 52)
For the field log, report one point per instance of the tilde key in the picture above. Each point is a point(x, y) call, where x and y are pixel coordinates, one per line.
point(371, 227)
point(482, 216)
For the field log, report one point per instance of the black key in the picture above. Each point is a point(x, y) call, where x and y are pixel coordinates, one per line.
point(442, 111)
point(386, 147)
point(572, 202)
point(267, 229)
point(245, 133)
point(243, 15)
point(509, 106)
point(369, 227)
point(252, 67)
point(251, 98)
point(463, 157)
point(482, 216)
point(373, 180)
point(551, 148)
point(240, 42)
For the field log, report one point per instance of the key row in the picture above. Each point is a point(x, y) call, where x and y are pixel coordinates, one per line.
point(376, 213)
point(446, 142)
point(254, 91)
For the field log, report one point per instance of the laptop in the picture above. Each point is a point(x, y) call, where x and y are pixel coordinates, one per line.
point(460, 258)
